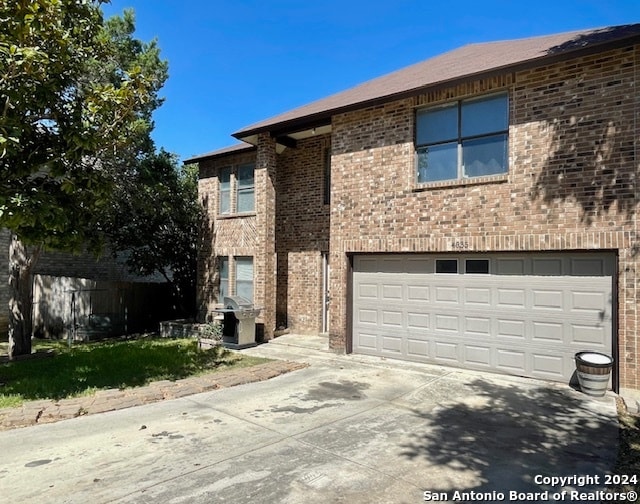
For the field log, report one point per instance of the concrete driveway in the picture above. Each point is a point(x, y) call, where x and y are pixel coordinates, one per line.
point(345, 429)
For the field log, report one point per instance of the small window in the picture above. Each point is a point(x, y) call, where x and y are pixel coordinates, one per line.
point(477, 266)
point(244, 277)
point(246, 189)
point(223, 269)
point(446, 265)
point(225, 190)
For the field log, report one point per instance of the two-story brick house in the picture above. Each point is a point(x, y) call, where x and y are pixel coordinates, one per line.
point(478, 209)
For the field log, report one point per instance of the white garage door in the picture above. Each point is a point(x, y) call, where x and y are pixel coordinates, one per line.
point(518, 314)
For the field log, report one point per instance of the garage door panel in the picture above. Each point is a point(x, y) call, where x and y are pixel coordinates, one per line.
point(417, 349)
point(588, 337)
point(392, 318)
point(365, 316)
point(511, 361)
point(479, 326)
point(418, 320)
point(367, 341)
point(446, 351)
point(528, 316)
point(589, 301)
point(447, 323)
point(477, 355)
point(588, 267)
point(547, 267)
point(510, 266)
point(546, 332)
point(392, 265)
point(546, 365)
point(511, 298)
point(368, 291)
point(368, 265)
point(511, 329)
point(477, 296)
point(418, 293)
point(391, 292)
point(392, 344)
point(447, 294)
point(418, 265)
point(545, 299)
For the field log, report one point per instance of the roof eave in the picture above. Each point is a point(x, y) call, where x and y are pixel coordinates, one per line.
point(229, 151)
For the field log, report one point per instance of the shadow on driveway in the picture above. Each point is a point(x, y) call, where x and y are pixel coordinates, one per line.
point(505, 434)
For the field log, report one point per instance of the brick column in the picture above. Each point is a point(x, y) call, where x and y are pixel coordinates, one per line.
point(265, 258)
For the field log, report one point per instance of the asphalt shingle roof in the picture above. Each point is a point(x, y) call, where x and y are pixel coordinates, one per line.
point(473, 60)
point(465, 62)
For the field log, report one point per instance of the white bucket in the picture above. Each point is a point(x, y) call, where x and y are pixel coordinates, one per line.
point(593, 371)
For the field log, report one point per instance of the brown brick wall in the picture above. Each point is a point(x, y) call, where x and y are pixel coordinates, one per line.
point(287, 255)
point(251, 235)
point(265, 271)
point(302, 234)
point(221, 236)
point(571, 183)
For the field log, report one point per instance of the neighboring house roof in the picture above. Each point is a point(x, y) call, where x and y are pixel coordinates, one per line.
point(468, 61)
point(233, 149)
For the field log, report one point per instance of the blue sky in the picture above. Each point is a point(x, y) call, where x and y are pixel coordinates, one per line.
point(236, 62)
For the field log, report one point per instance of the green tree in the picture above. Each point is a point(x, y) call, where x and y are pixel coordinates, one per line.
point(155, 218)
point(76, 97)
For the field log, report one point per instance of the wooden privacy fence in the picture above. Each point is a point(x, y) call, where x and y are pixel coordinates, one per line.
point(84, 309)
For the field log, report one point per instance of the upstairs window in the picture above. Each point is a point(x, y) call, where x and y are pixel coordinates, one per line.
point(238, 182)
point(463, 140)
point(225, 191)
point(245, 189)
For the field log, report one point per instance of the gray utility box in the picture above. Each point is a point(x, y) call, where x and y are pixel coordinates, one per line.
point(239, 325)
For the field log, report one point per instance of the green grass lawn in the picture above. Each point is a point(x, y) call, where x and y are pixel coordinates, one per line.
point(87, 367)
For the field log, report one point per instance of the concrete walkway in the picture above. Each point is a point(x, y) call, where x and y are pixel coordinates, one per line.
point(340, 429)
